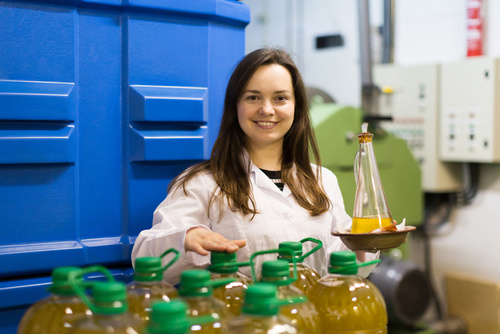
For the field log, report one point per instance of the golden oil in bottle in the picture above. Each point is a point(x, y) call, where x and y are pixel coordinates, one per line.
point(346, 302)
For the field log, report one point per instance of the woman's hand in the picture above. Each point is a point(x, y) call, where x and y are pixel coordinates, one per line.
point(202, 241)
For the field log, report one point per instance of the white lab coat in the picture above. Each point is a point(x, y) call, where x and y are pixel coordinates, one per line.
point(280, 218)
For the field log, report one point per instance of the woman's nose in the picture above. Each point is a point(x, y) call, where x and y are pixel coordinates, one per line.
point(266, 108)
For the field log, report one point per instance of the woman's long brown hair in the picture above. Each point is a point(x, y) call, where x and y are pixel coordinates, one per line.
point(227, 163)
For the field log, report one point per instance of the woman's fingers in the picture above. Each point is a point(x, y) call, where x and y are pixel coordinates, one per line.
point(202, 241)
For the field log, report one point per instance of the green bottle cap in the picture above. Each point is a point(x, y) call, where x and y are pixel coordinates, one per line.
point(148, 269)
point(223, 263)
point(294, 246)
point(169, 317)
point(276, 272)
point(195, 283)
point(343, 262)
point(60, 281)
point(261, 299)
point(109, 297)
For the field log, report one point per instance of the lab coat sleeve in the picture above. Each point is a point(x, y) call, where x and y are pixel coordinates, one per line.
point(340, 216)
point(173, 217)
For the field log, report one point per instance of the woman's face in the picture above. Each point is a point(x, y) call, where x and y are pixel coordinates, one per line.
point(267, 106)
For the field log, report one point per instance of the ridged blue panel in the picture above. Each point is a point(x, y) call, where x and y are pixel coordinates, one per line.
point(32, 100)
point(168, 104)
point(168, 145)
point(87, 87)
point(36, 143)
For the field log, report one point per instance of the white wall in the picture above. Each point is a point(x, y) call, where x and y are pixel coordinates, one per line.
point(427, 31)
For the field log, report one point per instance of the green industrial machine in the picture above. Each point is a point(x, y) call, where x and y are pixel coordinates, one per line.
point(336, 129)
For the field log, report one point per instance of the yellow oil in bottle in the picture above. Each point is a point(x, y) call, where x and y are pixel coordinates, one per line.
point(147, 286)
point(141, 296)
point(196, 290)
point(56, 313)
point(223, 266)
point(346, 302)
point(306, 276)
point(366, 225)
point(303, 315)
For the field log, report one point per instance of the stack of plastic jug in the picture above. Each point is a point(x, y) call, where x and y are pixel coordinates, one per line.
point(348, 303)
point(171, 318)
point(147, 286)
point(224, 265)
point(260, 313)
point(304, 315)
point(196, 289)
point(306, 276)
point(108, 304)
point(56, 313)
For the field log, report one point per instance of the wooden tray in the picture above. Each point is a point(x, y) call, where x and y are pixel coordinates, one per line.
point(374, 241)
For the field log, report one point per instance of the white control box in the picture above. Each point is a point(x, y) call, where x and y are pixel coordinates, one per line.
point(470, 110)
point(410, 94)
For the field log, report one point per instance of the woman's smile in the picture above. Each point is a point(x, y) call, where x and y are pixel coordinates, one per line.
point(265, 124)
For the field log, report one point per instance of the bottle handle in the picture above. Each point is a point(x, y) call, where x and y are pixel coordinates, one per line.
point(176, 257)
point(356, 167)
point(270, 251)
point(318, 246)
point(75, 280)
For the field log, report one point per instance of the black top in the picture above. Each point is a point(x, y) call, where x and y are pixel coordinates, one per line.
point(275, 176)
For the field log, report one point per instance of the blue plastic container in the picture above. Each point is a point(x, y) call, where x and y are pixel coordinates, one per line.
point(102, 103)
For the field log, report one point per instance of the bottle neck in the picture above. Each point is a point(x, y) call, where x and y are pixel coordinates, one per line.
point(279, 280)
point(147, 277)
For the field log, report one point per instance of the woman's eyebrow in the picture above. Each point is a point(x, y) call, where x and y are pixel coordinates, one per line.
point(252, 91)
point(282, 91)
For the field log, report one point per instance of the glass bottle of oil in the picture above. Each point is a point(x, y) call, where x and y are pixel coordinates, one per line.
point(304, 315)
point(109, 307)
point(171, 318)
point(306, 276)
point(260, 313)
point(196, 289)
point(371, 210)
point(147, 285)
point(56, 313)
point(346, 302)
point(224, 265)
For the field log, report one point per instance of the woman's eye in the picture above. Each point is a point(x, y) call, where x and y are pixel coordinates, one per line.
point(281, 98)
point(252, 98)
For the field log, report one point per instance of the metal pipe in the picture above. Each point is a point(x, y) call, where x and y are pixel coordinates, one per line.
point(365, 49)
point(369, 92)
point(388, 33)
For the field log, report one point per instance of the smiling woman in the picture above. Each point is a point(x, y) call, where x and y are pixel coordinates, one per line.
point(265, 114)
point(259, 187)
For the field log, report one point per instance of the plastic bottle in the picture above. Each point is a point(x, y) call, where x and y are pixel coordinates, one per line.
point(348, 303)
point(224, 265)
point(57, 312)
point(306, 276)
point(260, 313)
point(196, 289)
point(147, 286)
point(171, 318)
point(304, 315)
point(109, 307)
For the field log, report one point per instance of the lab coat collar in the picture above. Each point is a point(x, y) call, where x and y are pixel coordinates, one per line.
point(260, 179)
